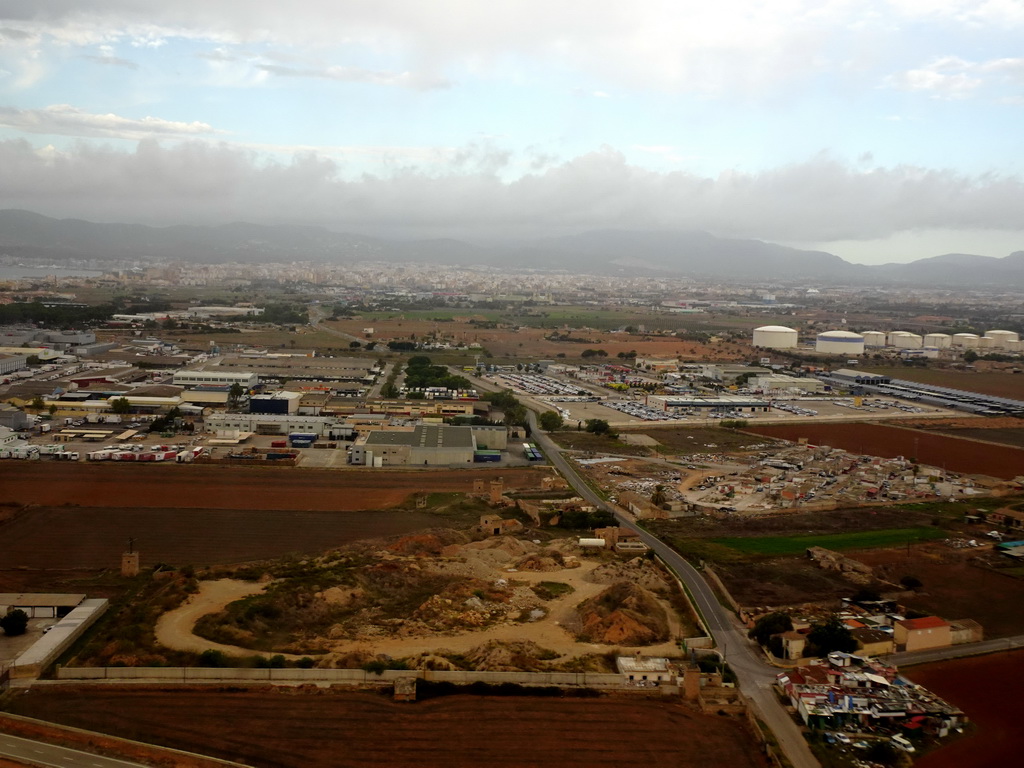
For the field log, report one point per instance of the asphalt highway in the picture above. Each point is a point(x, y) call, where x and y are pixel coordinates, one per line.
point(755, 676)
point(38, 753)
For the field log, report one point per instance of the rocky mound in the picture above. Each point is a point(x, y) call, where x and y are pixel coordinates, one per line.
point(509, 656)
point(639, 571)
point(623, 614)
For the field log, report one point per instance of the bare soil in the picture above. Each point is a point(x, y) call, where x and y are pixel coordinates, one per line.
point(107, 484)
point(94, 537)
point(295, 728)
point(954, 454)
point(988, 689)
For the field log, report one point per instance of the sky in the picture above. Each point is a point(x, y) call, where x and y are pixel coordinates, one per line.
point(879, 130)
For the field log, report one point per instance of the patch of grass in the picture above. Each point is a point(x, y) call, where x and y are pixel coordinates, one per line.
point(549, 590)
point(779, 546)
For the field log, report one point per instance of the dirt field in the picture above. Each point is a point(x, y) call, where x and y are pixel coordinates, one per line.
point(953, 587)
point(1014, 437)
point(988, 689)
point(1000, 384)
point(957, 455)
point(288, 728)
point(530, 342)
point(219, 487)
point(94, 537)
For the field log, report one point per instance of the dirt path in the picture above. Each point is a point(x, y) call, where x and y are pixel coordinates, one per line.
point(175, 628)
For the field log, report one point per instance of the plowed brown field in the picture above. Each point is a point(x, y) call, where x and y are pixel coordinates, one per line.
point(288, 729)
point(937, 450)
point(218, 487)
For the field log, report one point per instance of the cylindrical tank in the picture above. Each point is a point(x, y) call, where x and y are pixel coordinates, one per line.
point(874, 339)
point(965, 340)
point(938, 340)
point(840, 343)
point(1013, 346)
point(906, 340)
point(891, 337)
point(592, 543)
point(775, 337)
point(986, 342)
point(1002, 337)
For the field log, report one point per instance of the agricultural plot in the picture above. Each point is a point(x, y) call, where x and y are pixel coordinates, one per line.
point(288, 729)
point(986, 382)
point(937, 450)
point(781, 546)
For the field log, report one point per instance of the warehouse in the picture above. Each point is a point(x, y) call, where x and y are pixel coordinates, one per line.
point(430, 445)
point(276, 424)
point(245, 379)
point(724, 404)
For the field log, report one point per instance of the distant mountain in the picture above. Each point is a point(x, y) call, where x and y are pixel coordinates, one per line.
point(693, 254)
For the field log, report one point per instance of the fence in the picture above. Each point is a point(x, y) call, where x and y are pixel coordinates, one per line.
point(335, 676)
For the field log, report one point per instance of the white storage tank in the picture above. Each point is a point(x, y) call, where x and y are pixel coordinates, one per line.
point(965, 340)
point(1013, 346)
point(906, 340)
point(890, 339)
point(1001, 338)
point(775, 337)
point(874, 339)
point(938, 340)
point(840, 343)
point(986, 342)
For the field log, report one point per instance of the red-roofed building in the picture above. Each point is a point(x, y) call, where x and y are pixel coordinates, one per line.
point(921, 634)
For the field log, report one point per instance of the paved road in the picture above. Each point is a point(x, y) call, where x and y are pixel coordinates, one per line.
point(956, 651)
point(38, 753)
point(754, 675)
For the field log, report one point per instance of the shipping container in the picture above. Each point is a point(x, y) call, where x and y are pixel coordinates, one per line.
point(279, 444)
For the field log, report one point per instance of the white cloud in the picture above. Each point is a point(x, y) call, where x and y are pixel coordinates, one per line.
point(360, 75)
point(671, 44)
point(950, 77)
point(461, 193)
point(65, 120)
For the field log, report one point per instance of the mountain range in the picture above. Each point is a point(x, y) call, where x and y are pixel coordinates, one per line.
point(27, 235)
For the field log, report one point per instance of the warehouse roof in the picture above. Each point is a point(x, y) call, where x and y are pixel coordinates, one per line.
point(428, 436)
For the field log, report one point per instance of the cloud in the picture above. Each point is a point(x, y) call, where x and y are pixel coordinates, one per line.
point(359, 75)
point(950, 77)
point(65, 120)
point(461, 193)
point(106, 56)
point(691, 45)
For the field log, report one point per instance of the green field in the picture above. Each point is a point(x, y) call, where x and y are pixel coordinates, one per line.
point(781, 546)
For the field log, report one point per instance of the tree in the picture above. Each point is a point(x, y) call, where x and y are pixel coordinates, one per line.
point(14, 623)
point(659, 496)
point(770, 624)
point(235, 394)
point(597, 426)
point(354, 345)
point(970, 356)
point(550, 421)
point(830, 636)
point(37, 403)
point(911, 582)
point(120, 405)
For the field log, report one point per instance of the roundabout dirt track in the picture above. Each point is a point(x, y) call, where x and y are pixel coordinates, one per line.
point(52, 484)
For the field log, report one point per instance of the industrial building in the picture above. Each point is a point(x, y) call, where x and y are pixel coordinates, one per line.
point(725, 403)
point(277, 424)
point(276, 402)
point(302, 367)
point(775, 337)
point(245, 379)
point(777, 382)
point(839, 343)
point(12, 363)
point(432, 445)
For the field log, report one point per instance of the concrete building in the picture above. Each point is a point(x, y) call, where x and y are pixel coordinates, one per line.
point(12, 363)
point(777, 382)
point(14, 418)
point(775, 337)
point(922, 634)
point(245, 379)
point(276, 402)
point(839, 343)
point(431, 445)
point(40, 605)
point(277, 424)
